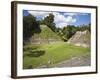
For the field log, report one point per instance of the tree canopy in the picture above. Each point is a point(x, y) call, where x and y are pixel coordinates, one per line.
point(30, 26)
point(49, 21)
point(69, 30)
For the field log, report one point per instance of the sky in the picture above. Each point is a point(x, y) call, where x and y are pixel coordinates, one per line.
point(62, 19)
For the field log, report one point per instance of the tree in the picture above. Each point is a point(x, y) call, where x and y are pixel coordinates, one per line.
point(89, 27)
point(49, 21)
point(68, 31)
point(84, 27)
point(30, 26)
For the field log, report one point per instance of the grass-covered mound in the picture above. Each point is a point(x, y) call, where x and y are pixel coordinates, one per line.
point(46, 35)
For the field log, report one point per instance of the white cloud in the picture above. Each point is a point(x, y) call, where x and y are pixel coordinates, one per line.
point(74, 20)
point(74, 14)
point(70, 14)
point(69, 19)
point(39, 13)
point(60, 19)
point(61, 25)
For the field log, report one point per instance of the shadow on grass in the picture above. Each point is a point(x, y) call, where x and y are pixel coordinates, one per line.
point(36, 53)
point(30, 48)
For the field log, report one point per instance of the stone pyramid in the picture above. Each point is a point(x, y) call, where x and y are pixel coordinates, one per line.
point(45, 36)
point(81, 38)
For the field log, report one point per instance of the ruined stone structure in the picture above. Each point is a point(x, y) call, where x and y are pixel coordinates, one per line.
point(81, 38)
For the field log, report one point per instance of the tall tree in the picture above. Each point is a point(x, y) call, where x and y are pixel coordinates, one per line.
point(49, 21)
point(30, 26)
point(68, 31)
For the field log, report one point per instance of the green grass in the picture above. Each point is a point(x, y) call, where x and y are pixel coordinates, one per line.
point(54, 52)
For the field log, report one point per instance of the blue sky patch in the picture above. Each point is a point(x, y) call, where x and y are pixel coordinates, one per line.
point(62, 19)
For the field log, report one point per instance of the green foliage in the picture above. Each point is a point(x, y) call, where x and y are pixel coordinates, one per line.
point(30, 26)
point(66, 32)
point(49, 21)
point(84, 27)
point(35, 53)
point(69, 30)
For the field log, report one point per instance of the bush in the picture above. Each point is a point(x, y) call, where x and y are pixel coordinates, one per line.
point(35, 53)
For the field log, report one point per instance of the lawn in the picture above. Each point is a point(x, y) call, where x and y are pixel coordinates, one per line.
point(38, 55)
